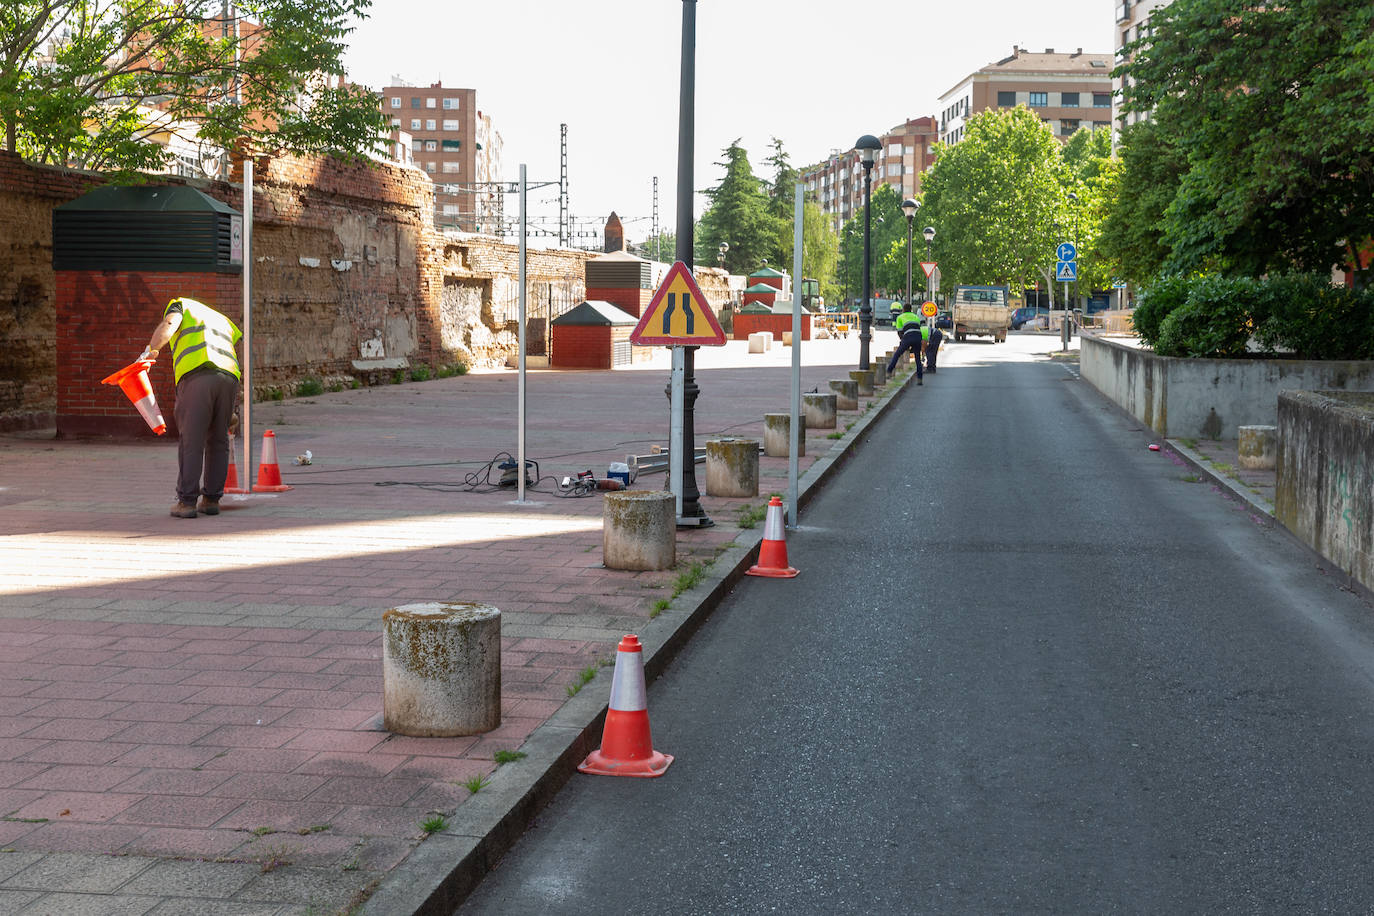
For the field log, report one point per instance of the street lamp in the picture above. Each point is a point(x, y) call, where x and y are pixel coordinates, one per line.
point(720, 254)
point(1074, 206)
point(929, 233)
point(909, 207)
point(868, 146)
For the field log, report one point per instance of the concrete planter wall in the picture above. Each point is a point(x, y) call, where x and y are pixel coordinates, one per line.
point(1208, 398)
point(1325, 486)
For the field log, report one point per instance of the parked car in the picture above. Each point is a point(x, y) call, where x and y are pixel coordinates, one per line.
point(1024, 315)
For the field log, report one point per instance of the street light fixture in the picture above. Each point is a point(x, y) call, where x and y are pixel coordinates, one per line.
point(909, 207)
point(867, 146)
point(929, 233)
point(720, 254)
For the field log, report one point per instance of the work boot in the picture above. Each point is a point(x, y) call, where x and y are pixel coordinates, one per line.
point(920, 382)
point(208, 506)
point(183, 510)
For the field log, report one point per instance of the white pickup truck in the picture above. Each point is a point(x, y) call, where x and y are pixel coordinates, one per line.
point(981, 311)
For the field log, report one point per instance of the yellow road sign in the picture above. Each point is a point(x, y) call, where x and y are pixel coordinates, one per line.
point(929, 309)
point(678, 315)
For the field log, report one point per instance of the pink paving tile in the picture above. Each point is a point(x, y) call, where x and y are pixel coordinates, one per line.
point(532, 708)
point(352, 790)
point(249, 736)
point(288, 649)
point(549, 645)
point(179, 843)
point(272, 634)
point(319, 739)
point(347, 719)
point(300, 680)
point(168, 756)
point(352, 666)
point(85, 807)
point(247, 677)
point(11, 831)
point(177, 811)
point(529, 675)
point(215, 634)
point(311, 665)
point(150, 676)
point(12, 774)
point(233, 696)
point(15, 748)
point(149, 644)
point(166, 733)
point(76, 729)
point(156, 693)
point(369, 820)
point(366, 652)
point(92, 752)
point(211, 646)
point(311, 849)
point(251, 815)
point(377, 854)
point(210, 662)
point(77, 778)
point(453, 769)
point(82, 658)
point(10, 655)
point(320, 699)
point(75, 709)
point(99, 839)
point(158, 712)
point(16, 687)
point(137, 659)
point(429, 747)
point(174, 782)
point(240, 715)
point(334, 763)
point(259, 760)
point(283, 786)
point(146, 630)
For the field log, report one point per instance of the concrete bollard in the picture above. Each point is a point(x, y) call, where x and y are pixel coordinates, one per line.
point(732, 467)
point(777, 434)
point(639, 530)
point(787, 338)
point(1258, 446)
point(879, 373)
point(863, 378)
point(819, 410)
point(441, 669)
point(760, 341)
point(846, 393)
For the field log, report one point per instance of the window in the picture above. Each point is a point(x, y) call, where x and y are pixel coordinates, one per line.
point(1006, 100)
point(894, 169)
point(429, 167)
point(451, 104)
point(450, 209)
point(1102, 100)
point(1039, 99)
point(431, 146)
point(431, 124)
point(451, 124)
point(894, 149)
point(451, 146)
point(1067, 126)
point(452, 168)
point(395, 122)
point(414, 123)
point(416, 102)
point(395, 101)
point(1068, 99)
point(429, 103)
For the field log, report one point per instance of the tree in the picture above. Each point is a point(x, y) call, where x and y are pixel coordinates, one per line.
point(89, 83)
point(1270, 104)
point(995, 199)
point(738, 215)
point(662, 247)
point(1139, 186)
point(781, 204)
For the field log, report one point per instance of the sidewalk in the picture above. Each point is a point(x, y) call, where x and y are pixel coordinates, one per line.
point(190, 710)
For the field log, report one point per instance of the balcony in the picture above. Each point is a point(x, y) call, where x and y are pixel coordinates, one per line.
point(1123, 11)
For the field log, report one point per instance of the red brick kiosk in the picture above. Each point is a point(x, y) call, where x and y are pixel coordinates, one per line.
point(120, 254)
point(595, 335)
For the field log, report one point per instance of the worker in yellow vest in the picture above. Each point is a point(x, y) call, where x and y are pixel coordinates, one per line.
point(207, 379)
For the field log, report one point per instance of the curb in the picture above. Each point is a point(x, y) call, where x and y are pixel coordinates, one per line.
point(446, 866)
point(1199, 462)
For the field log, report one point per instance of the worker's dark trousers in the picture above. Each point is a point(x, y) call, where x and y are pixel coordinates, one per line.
point(910, 341)
point(933, 349)
point(205, 404)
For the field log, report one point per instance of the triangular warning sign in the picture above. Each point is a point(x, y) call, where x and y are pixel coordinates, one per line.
point(678, 315)
point(928, 267)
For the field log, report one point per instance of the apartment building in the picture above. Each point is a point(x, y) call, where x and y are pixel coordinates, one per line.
point(838, 182)
point(1067, 91)
point(454, 143)
point(1132, 21)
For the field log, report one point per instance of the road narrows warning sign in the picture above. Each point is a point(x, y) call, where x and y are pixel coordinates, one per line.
point(678, 315)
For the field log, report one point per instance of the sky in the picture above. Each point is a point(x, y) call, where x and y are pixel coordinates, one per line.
point(816, 75)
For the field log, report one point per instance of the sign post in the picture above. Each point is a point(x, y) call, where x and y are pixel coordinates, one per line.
point(678, 316)
point(1066, 271)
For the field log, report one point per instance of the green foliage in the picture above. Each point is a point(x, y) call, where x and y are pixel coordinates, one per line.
point(1140, 186)
point(1270, 103)
point(419, 374)
point(309, 387)
point(434, 824)
point(504, 757)
point(738, 215)
point(663, 248)
point(79, 78)
point(1155, 303)
point(1304, 313)
point(1214, 322)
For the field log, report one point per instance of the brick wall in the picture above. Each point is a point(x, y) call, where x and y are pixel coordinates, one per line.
point(348, 273)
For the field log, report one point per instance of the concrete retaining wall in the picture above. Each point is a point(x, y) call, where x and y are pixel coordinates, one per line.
point(1208, 398)
point(1325, 485)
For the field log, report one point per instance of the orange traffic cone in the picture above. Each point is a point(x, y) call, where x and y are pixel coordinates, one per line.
point(133, 381)
point(231, 480)
point(269, 475)
point(627, 748)
point(773, 552)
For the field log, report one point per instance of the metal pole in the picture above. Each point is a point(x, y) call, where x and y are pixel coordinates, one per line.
point(866, 306)
point(692, 514)
point(794, 427)
point(247, 431)
point(909, 221)
point(520, 384)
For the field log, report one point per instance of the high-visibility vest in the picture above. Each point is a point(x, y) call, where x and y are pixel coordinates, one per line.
point(205, 336)
point(904, 319)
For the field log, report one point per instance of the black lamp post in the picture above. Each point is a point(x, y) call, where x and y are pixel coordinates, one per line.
point(1073, 205)
point(909, 207)
point(720, 254)
point(868, 146)
point(929, 233)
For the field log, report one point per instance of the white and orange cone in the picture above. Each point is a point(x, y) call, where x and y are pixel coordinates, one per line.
point(773, 552)
point(627, 747)
point(231, 480)
point(133, 381)
point(269, 475)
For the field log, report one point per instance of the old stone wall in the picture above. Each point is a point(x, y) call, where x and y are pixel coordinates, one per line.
point(349, 278)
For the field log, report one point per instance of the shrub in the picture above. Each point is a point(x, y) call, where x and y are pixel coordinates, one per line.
point(419, 374)
point(1305, 314)
point(309, 387)
point(1156, 302)
point(1215, 321)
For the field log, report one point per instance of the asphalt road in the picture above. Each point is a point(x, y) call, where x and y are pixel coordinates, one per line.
point(1029, 666)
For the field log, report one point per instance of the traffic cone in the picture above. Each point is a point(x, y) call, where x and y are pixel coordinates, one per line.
point(773, 552)
point(627, 748)
point(133, 381)
point(231, 480)
point(269, 475)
